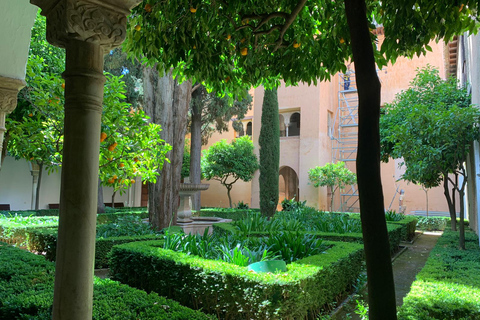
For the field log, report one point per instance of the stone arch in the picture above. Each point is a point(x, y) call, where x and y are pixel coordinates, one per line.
point(294, 126)
point(288, 184)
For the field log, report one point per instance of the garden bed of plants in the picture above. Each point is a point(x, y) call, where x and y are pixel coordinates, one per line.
point(231, 291)
point(39, 233)
point(448, 287)
point(26, 292)
point(331, 226)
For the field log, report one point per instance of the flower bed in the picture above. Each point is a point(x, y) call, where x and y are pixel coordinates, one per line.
point(232, 292)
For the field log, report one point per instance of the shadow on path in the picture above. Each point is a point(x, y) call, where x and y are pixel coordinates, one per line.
point(411, 261)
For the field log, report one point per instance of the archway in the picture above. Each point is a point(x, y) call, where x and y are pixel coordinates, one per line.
point(288, 184)
point(294, 126)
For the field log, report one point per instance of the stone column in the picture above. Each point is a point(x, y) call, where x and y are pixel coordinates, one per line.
point(86, 29)
point(8, 101)
point(34, 170)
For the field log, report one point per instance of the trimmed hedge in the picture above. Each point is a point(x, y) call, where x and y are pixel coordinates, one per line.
point(232, 292)
point(26, 292)
point(409, 225)
point(448, 287)
point(45, 241)
point(225, 213)
point(395, 234)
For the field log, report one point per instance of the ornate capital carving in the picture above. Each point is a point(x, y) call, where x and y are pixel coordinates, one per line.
point(96, 21)
point(8, 93)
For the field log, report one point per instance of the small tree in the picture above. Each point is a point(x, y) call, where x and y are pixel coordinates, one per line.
point(333, 175)
point(229, 162)
point(431, 126)
point(269, 142)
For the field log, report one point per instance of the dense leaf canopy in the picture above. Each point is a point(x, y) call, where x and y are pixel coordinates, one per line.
point(259, 42)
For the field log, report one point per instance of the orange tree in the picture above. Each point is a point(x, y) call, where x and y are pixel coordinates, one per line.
point(230, 44)
point(130, 146)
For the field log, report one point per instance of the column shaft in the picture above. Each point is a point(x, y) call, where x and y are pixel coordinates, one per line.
point(78, 197)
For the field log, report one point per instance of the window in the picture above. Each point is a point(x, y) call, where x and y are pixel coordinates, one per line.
point(294, 126)
point(249, 129)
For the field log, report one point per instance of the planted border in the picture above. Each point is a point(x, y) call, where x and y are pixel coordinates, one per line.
point(448, 287)
point(395, 233)
point(232, 292)
point(26, 292)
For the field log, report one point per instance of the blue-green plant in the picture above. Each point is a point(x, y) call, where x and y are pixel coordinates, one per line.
point(391, 215)
point(125, 226)
point(292, 246)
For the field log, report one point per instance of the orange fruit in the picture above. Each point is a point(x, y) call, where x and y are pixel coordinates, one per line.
point(229, 37)
point(115, 177)
point(132, 181)
point(103, 136)
point(193, 10)
point(194, 47)
point(244, 51)
point(121, 165)
point(63, 85)
point(138, 27)
point(31, 158)
point(227, 79)
point(296, 44)
point(135, 159)
point(30, 114)
point(342, 40)
point(112, 146)
point(148, 7)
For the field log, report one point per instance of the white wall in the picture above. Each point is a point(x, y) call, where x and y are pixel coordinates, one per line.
point(16, 187)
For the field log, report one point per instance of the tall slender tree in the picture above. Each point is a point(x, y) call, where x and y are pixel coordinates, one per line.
point(269, 141)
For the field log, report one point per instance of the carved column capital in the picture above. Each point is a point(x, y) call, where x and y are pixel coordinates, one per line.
point(8, 93)
point(102, 22)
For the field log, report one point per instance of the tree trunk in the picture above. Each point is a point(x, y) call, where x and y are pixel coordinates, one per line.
point(167, 102)
point(461, 225)
point(381, 289)
point(196, 146)
point(229, 188)
point(39, 181)
point(100, 203)
point(451, 204)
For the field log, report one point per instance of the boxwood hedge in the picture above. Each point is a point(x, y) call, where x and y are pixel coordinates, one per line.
point(26, 292)
point(232, 292)
point(448, 287)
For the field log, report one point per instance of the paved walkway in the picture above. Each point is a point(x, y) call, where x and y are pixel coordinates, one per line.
point(411, 261)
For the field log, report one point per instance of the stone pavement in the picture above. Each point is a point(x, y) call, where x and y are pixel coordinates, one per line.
point(411, 261)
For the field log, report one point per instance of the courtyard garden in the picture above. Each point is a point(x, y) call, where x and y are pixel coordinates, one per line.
point(170, 275)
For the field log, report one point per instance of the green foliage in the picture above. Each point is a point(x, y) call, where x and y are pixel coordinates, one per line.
point(392, 215)
point(125, 226)
point(430, 125)
point(232, 292)
point(293, 205)
point(186, 159)
point(230, 162)
point(448, 285)
point(27, 280)
point(217, 111)
point(432, 223)
point(292, 246)
point(333, 175)
point(269, 142)
point(242, 205)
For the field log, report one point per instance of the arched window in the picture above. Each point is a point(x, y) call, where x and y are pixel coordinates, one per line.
point(249, 129)
point(294, 126)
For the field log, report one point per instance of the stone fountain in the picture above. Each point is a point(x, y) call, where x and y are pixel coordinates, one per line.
point(185, 220)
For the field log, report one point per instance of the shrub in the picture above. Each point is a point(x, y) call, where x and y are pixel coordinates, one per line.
point(26, 292)
point(232, 292)
point(292, 204)
point(448, 285)
point(432, 223)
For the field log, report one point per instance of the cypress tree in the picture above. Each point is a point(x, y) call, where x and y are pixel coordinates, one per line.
point(269, 141)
